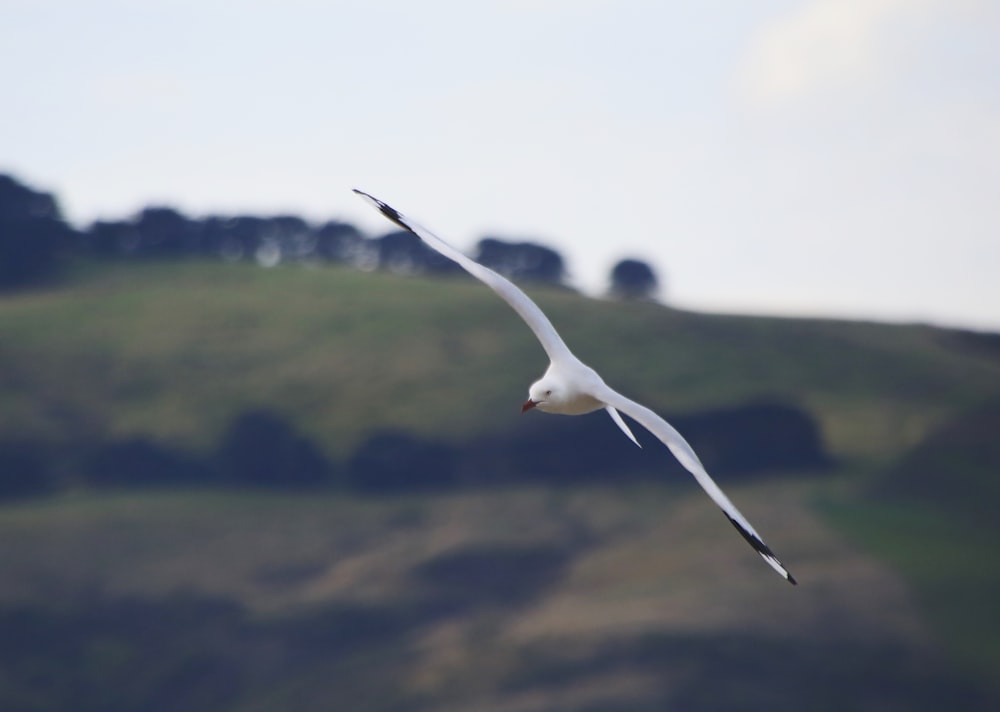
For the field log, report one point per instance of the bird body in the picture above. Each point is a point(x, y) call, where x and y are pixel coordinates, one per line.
point(566, 389)
point(570, 387)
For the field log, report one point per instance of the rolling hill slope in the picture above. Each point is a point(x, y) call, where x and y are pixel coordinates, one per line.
point(619, 595)
point(176, 350)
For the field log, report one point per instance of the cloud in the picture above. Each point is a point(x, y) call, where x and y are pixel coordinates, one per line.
point(821, 43)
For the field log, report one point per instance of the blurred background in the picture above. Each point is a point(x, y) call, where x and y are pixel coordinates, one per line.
point(261, 451)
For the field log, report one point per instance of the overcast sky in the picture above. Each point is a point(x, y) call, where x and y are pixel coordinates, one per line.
point(801, 157)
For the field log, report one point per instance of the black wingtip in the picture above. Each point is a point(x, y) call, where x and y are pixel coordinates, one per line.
point(384, 208)
point(761, 548)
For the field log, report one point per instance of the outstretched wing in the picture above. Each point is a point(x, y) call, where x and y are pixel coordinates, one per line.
point(666, 434)
point(536, 320)
point(621, 424)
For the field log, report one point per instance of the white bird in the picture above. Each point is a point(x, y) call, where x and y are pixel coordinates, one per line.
point(570, 387)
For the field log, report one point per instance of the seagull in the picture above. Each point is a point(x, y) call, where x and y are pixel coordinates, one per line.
point(570, 387)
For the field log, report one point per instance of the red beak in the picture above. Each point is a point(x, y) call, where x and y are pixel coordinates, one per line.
point(528, 405)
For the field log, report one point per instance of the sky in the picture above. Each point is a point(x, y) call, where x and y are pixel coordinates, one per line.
point(835, 158)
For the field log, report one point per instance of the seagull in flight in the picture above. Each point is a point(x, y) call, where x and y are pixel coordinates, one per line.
point(570, 387)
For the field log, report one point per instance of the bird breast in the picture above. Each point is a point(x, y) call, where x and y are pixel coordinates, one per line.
point(575, 404)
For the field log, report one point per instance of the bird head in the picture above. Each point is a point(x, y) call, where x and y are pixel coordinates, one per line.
point(543, 393)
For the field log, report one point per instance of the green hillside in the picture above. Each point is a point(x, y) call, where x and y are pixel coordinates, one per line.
point(175, 350)
point(625, 595)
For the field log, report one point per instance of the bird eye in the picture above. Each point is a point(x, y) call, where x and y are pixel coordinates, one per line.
point(548, 393)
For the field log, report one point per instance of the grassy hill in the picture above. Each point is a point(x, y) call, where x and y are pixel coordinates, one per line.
point(625, 596)
point(176, 350)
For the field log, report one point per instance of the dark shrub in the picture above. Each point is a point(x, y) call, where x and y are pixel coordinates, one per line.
point(733, 443)
point(522, 261)
point(261, 448)
point(391, 461)
point(33, 234)
point(756, 437)
point(633, 279)
point(22, 471)
point(139, 461)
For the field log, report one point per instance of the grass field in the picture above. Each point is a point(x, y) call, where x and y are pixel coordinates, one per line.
point(950, 562)
point(621, 596)
point(519, 599)
point(175, 350)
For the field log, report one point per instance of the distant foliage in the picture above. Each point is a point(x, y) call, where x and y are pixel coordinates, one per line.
point(404, 253)
point(759, 437)
point(736, 443)
point(139, 461)
point(33, 234)
point(522, 260)
point(23, 471)
point(563, 451)
point(261, 448)
point(110, 238)
point(342, 242)
point(393, 461)
point(633, 279)
point(162, 231)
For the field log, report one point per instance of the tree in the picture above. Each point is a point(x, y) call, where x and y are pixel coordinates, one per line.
point(22, 471)
point(522, 260)
point(33, 234)
point(394, 461)
point(402, 251)
point(234, 238)
point(340, 242)
point(286, 237)
point(108, 239)
point(164, 231)
point(261, 448)
point(139, 461)
point(633, 279)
